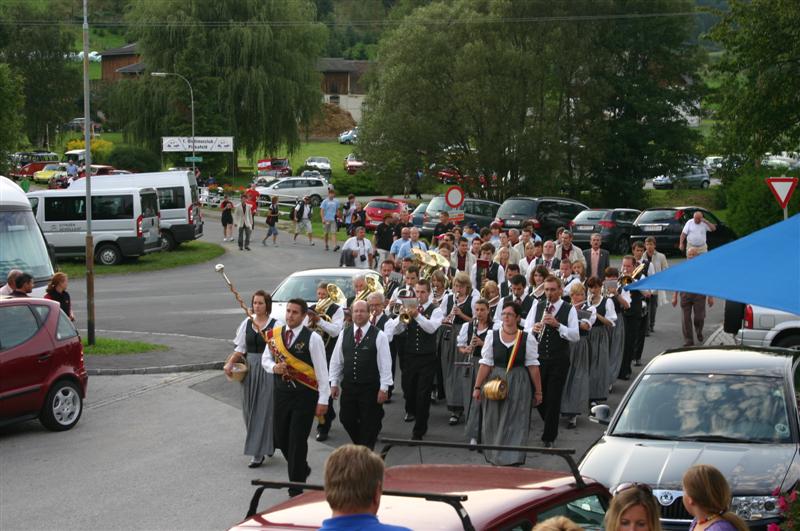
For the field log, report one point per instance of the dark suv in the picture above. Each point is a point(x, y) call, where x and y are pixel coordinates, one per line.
point(612, 224)
point(666, 224)
point(546, 213)
point(478, 211)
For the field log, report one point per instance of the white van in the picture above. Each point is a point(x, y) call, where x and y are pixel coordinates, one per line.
point(124, 222)
point(177, 196)
point(22, 245)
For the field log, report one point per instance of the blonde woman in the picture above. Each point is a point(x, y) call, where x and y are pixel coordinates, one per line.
point(633, 508)
point(575, 397)
point(707, 497)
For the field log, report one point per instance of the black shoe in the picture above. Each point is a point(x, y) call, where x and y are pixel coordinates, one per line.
point(416, 437)
point(455, 418)
point(247, 248)
point(335, 248)
point(548, 444)
point(241, 248)
point(626, 377)
point(256, 462)
point(637, 363)
point(409, 418)
point(322, 436)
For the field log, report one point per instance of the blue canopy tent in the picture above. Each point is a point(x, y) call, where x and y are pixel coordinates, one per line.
point(762, 268)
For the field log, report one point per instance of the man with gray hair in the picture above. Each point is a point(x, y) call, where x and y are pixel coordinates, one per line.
point(11, 284)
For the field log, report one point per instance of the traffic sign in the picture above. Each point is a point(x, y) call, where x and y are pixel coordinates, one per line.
point(193, 159)
point(456, 216)
point(454, 197)
point(782, 188)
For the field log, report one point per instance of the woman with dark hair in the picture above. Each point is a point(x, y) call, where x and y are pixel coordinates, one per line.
point(257, 386)
point(512, 355)
point(536, 282)
point(57, 291)
point(599, 338)
point(227, 219)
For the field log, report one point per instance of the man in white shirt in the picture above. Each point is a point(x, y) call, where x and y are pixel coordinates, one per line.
point(360, 248)
point(362, 366)
point(694, 233)
point(11, 285)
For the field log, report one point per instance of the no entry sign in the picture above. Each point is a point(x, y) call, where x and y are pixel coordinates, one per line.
point(454, 197)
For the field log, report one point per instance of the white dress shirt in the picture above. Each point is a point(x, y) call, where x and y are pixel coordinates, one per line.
point(569, 331)
point(384, 358)
point(333, 327)
point(531, 349)
point(240, 341)
point(592, 318)
point(429, 326)
point(611, 312)
point(364, 248)
point(462, 340)
point(443, 304)
point(318, 358)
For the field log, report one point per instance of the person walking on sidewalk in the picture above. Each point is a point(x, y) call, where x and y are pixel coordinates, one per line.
point(243, 219)
point(692, 303)
point(328, 211)
point(302, 214)
point(227, 219)
point(272, 221)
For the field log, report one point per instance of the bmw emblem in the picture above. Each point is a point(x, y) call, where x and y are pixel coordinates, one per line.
point(666, 498)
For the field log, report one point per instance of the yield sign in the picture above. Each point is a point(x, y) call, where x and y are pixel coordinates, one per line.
point(782, 188)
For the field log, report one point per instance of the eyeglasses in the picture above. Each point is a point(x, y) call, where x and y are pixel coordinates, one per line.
point(626, 486)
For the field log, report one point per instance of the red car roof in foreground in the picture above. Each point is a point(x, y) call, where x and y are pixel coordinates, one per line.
point(494, 495)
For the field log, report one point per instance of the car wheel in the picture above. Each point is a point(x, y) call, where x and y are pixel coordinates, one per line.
point(316, 201)
point(791, 341)
point(63, 406)
point(167, 241)
point(623, 245)
point(108, 254)
point(734, 313)
point(705, 184)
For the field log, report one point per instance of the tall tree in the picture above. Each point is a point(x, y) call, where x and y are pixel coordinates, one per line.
point(759, 96)
point(11, 112)
point(251, 64)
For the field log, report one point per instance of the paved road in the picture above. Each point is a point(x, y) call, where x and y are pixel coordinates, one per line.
point(164, 451)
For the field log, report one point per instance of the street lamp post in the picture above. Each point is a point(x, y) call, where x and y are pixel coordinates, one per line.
point(191, 97)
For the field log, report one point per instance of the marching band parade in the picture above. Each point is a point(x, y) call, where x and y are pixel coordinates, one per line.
point(491, 326)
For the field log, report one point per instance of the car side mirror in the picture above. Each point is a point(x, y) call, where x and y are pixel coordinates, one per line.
point(601, 414)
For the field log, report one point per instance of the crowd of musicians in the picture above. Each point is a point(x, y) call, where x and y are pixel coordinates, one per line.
point(491, 330)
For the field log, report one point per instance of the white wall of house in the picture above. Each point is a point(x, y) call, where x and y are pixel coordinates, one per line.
point(351, 103)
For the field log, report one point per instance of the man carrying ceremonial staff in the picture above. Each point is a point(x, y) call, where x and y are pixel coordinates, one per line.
point(362, 367)
point(296, 356)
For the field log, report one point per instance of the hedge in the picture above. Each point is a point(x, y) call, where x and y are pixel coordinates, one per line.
point(751, 205)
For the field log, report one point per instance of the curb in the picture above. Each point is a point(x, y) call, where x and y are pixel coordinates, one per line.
point(212, 365)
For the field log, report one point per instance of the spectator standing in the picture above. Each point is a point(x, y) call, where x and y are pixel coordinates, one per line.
point(469, 232)
point(595, 258)
point(549, 258)
point(444, 225)
point(11, 285)
point(227, 218)
point(302, 214)
point(707, 497)
point(692, 303)
point(23, 286)
point(384, 237)
point(413, 243)
point(243, 218)
point(57, 291)
point(347, 213)
point(359, 218)
point(695, 231)
point(404, 222)
point(658, 263)
point(404, 238)
point(272, 221)
point(360, 249)
point(566, 250)
point(328, 212)
point(633, 508)
point(72, 170)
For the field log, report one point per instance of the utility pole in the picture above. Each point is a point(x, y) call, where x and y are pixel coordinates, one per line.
point(87, 164)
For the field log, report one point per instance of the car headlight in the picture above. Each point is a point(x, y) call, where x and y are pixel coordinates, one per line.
point(755, 507)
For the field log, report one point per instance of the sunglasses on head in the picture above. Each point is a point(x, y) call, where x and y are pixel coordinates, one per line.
point(626, 486)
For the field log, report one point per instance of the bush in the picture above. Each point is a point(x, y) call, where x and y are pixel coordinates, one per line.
point(134, 158)
point(751, 205)
point(358, 184)
point(101, 149)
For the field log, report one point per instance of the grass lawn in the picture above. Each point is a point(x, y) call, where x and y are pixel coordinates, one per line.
point(328, 148)
point(682, 197)
point(104, 346)
point(186, 254)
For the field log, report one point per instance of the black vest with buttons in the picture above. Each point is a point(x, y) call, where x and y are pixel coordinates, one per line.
point(381, 322)
point(581, 331)
point(254, 340)
point(553, 346)
point(525, 305)
point(502, 353)
point(465, 306)
point(601, 310)
point(418, 341)
point(360, 362)
point(476, 352)
point(300, 350)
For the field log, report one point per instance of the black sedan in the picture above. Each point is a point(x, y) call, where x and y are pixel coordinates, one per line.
point(730, 407)
point(666, 224)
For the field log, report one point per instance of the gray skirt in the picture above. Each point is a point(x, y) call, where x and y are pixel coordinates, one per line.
point(615, 349)
point(258, 403)
point(472, 408)
point(455, 377)
point(575, 398)
point(507, 422)
point(598, 363)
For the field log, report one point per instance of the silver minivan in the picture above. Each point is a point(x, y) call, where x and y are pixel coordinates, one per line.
point(124, 222)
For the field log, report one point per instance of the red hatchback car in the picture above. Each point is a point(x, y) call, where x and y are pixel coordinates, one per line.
point(41, 360)
point(379, 207)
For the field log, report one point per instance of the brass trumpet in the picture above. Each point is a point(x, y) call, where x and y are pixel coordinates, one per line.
point(335, 296)
point(624, 280)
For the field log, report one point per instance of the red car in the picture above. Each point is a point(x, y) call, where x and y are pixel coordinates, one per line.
point(30, 168)
point(41, 360)
point(450, 497)
point(379, 207)
point(352, 164)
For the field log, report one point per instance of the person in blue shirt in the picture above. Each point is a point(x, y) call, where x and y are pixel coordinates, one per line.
point(328, 210)
point(405, 237)
point(353, 488)
point(413, 243)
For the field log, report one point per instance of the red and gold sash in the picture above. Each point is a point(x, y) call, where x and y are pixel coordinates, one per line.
point(514, 351)
point(300, 371)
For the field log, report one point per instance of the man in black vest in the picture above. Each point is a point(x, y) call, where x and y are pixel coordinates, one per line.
point(492, 270)
point(376, 304)
point(633, 321)
point(362, 367)
point(295, 404)
point(328, 331)
point(518, 295)
point(418, 357)
point(555, 324)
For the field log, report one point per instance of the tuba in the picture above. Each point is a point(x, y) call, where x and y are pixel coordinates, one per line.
point(426, 263)
point(335, 296)
point(373, 286)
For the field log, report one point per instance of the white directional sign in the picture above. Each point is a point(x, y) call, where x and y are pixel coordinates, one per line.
point(214, 144)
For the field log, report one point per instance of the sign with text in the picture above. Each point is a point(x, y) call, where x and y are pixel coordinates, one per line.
point(208, 144)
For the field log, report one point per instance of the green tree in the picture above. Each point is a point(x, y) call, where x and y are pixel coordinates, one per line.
point(250, 62)
point(759, 96)
point(11, 112)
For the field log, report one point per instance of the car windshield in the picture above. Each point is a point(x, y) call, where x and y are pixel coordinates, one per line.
point(517, 207)
point(386, 205)
point(591, 215)
point(437, 205)
point(708, 408)
point(305, 287)
point(656, 216)
point(319, 159)
point(51, 167)
point(22, 246)
point(420, 208)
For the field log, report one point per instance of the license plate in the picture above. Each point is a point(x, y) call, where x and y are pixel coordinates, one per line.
point(652, 228)
point(513, 223)
point(585, 227)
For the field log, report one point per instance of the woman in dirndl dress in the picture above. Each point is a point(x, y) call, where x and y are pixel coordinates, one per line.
point(470, 341)
point(599, 337)
point(257, 386)
point(616, 344)
point(536, 283)
point(458, 310)
point(439, 292)
point(575, 397)
point(513, 355)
